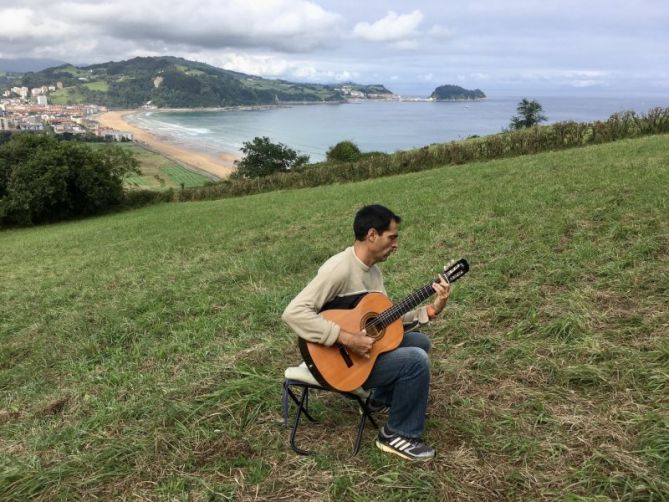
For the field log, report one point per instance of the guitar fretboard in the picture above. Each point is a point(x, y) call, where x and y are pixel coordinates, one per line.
point(389, 316)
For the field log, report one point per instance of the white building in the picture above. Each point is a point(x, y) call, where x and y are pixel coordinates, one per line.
point(111, 134)
point(21, 91)
point(42, 100)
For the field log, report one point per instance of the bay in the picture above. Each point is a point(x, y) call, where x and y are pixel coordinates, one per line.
point(384, 126)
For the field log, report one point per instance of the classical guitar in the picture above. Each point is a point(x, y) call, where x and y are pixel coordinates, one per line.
point(344, 370)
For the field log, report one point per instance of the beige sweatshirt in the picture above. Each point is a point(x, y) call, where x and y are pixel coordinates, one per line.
point(341, 275)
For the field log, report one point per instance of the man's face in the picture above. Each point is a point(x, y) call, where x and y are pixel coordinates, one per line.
point(384, 244)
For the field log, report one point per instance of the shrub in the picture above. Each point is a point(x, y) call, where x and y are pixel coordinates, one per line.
point(139, 198)
point(530, 113)
point(344, 151)
point(262, 158)
point(43, 179)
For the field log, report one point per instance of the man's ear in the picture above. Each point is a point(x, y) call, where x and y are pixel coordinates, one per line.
point(372, 234)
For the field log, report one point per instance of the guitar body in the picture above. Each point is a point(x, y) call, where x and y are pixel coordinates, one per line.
point(344, 370)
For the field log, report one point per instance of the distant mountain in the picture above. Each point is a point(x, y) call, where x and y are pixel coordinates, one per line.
point(455, 92)
point(23, 65)
point(178, 83)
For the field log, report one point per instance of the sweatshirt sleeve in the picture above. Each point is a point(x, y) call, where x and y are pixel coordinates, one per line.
point(302, 315)
point(418, 315)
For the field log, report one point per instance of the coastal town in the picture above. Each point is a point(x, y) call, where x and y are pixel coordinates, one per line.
point(26, 109)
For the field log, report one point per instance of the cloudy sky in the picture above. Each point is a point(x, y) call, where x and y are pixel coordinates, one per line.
point(411, 47)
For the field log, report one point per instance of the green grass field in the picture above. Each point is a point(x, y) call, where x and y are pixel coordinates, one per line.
point(98, 85)
point(182, 177)
point(66, 96)
point(142, 353)
point(158, 172)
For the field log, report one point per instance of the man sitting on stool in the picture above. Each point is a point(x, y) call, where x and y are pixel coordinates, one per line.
point(400, 378)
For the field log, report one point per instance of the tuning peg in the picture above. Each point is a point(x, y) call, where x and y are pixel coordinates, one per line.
point(449, 264)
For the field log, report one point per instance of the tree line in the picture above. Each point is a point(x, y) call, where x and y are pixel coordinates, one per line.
point(44, 179)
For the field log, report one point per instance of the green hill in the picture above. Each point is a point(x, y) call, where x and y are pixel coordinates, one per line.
point(142, 354)
point(455, 92)
point(176, 82)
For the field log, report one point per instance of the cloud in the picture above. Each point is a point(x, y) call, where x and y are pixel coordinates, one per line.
point(571, 78)
point(474, 76)
point(392, 28)
point(516, 43)
point(441, 32)
point(272, 66)
point(283, 25)
point(586, 83)
point(23, 24)
point(406, 45)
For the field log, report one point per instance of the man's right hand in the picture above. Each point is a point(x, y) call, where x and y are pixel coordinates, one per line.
point(357, 341)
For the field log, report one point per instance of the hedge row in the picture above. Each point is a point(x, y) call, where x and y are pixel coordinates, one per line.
point(557, 136)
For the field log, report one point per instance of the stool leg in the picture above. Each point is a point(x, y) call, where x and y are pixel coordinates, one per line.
point(361, 426)
point(298, 402)
point(302, 403)
point(284, 404)
point(366, 412)
point(300, 409)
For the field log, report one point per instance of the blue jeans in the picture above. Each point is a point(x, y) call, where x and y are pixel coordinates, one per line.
point(401, 378)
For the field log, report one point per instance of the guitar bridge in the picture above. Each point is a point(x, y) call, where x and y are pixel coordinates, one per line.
point(345, 356)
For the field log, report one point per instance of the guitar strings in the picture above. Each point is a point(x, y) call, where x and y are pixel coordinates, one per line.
point(389, 316)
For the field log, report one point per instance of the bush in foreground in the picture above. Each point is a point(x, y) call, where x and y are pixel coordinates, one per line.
point(530, 113)
point(43, 179)
point(344, 151)
point(262, 158)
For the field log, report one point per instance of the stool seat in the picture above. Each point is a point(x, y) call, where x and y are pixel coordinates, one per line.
point(300, 377)
point(301, 373)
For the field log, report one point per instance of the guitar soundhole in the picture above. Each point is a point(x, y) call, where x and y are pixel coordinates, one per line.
point(371, 329)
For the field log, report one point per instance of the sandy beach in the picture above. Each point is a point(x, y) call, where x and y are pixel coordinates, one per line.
point(220, 165)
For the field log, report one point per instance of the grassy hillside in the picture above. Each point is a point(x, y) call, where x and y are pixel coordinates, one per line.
point(141, 354)
point(176, 82)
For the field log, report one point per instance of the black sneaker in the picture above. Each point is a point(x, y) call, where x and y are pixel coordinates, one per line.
point(378, 406)
point(409, 448)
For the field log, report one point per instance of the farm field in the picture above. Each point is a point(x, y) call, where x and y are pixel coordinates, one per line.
point(159, 172)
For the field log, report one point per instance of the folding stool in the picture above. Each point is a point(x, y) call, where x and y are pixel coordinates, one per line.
point(301, 378)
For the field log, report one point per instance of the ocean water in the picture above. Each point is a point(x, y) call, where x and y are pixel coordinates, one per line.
point(372, 125)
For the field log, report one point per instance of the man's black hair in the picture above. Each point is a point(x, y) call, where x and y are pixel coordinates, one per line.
point(373, 216)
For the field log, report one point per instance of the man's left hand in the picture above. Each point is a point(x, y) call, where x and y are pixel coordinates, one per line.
point(443, 289)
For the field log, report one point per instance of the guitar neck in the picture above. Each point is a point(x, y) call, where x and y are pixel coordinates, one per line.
point(387, 317)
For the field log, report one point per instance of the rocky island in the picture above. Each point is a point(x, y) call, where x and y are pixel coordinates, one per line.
point(456, 93)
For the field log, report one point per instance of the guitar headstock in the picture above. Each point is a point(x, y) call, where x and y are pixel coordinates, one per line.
point(453, 271)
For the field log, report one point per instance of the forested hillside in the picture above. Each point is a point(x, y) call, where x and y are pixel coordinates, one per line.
point(179, 83)
point(455, 92)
